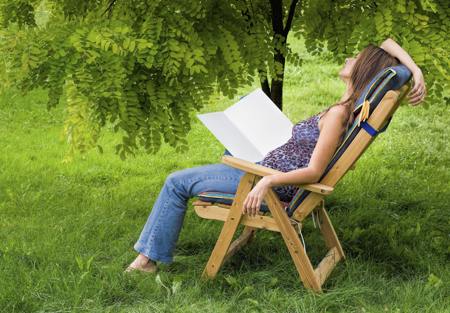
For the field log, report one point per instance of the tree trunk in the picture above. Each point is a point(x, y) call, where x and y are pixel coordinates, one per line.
point(280, 34)
point(265, 86)
point(276, 92)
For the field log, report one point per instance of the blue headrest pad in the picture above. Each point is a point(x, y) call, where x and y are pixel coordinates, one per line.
point(390, 78)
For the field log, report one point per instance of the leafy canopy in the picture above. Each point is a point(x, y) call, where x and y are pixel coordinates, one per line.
point(147, 66)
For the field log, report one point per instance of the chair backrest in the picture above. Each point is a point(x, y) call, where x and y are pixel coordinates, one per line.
point(383, 95)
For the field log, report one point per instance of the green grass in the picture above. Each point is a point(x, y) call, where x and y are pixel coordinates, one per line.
point(67, 230)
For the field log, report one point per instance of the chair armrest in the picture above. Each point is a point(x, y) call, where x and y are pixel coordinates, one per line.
point(247, 166)
point(261, 170)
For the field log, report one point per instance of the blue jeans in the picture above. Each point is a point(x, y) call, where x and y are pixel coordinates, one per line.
point(161, 231)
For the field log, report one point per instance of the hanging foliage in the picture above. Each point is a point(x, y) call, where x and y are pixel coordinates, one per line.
point(147, 66)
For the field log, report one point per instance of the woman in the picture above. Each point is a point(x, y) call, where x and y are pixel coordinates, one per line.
point(302, 159)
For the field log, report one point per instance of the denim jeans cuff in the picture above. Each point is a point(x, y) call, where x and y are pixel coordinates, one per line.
point(151, 255)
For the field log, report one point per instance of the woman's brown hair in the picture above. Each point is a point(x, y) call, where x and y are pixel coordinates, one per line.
point(371, 60)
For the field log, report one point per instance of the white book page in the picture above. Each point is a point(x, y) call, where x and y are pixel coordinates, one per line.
point(262, 122)
point(230, 136)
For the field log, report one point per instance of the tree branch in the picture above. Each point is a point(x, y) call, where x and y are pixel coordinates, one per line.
point(110, 7)
point(290, 17)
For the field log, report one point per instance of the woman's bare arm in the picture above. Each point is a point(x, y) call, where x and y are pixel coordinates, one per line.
point(322, 154)
point(394, 49)
point(417, 94)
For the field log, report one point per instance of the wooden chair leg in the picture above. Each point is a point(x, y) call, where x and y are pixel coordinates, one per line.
point(329, 235)
point(229, 227)
point(295, 247)
point(335, 252)
point(246, 235)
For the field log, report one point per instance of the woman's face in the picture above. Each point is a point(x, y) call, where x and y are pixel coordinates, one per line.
point(347, 69)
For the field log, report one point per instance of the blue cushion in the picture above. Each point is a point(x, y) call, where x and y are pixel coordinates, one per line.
point(225, 198)
point(391, 78)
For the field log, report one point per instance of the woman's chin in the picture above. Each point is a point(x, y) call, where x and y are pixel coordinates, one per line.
point(344, 78)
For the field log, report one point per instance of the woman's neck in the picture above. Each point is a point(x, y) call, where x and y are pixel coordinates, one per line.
point(347, 93)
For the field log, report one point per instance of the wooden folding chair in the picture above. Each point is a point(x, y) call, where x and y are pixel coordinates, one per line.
point(284, 217)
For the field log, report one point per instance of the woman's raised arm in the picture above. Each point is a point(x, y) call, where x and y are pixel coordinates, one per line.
point(417, 94)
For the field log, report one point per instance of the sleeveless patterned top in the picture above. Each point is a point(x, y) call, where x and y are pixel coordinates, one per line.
point(294, 154)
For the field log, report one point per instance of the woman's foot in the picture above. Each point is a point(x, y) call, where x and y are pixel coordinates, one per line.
point(143, 264)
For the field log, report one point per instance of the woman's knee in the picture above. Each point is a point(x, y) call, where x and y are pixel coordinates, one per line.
point(181, 178)
point(174, 184)
point(184, 174)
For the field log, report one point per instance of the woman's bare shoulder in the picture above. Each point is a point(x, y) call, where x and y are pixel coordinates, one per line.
point(336, 112)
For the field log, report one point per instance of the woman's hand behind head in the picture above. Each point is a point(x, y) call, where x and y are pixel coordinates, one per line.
point(419, 91)
point(417, 94)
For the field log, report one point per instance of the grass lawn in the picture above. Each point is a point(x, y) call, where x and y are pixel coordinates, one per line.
point(67, 230)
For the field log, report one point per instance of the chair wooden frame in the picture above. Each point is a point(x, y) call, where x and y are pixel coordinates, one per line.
point(278, 221)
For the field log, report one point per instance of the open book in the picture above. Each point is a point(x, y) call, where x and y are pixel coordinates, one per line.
point(250, 128)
